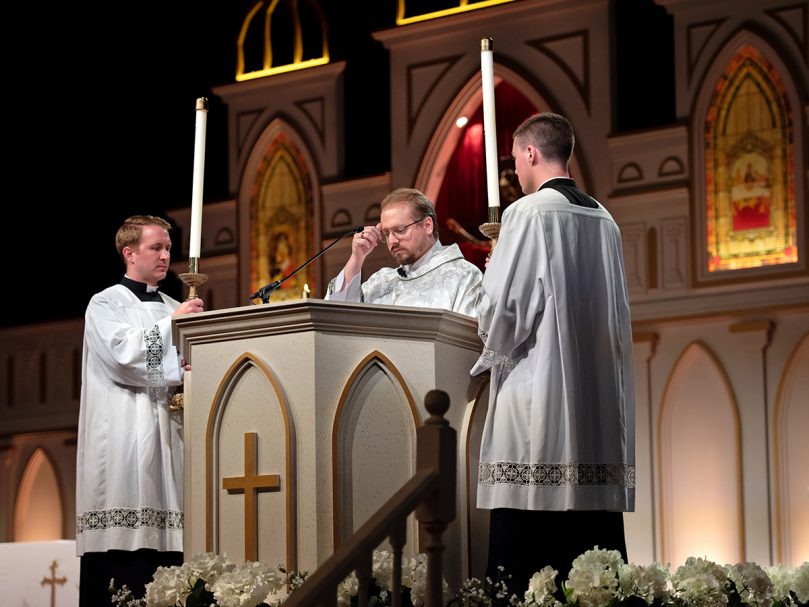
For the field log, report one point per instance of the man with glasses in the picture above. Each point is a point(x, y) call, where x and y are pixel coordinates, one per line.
point(429, 274)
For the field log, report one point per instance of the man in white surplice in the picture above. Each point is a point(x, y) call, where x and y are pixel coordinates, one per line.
point(129, 510)
point(557, 461)
point(429, 274)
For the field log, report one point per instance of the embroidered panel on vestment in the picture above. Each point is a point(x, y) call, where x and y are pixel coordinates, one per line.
point(128, 518)
point(154, 356)
point(555, 475)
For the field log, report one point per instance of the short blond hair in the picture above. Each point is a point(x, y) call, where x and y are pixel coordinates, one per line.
point(130, 233)
point(419, 203)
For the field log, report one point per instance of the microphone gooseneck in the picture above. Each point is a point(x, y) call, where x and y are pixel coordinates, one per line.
point(264, 292)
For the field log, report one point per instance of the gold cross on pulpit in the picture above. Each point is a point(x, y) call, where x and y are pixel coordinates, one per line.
point(250, 484)
point(53, 581)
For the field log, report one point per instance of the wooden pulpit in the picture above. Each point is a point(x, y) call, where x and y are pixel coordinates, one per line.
point(300, 421)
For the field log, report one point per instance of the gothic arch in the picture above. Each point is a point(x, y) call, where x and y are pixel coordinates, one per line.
point(747, 70)
point(38, 505)
point(446, 136)
point(790, 425)
point(279, 211)
point(226, 394)
point(476, 520)
point(699, 462)
point(374, 396)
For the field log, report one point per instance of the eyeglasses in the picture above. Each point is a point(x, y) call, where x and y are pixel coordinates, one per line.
point(398, 232)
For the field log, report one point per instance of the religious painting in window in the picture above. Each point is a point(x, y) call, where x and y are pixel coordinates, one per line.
point(280, 221)
point(750, 215)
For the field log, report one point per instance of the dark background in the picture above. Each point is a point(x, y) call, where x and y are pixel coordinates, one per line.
point(99, 122)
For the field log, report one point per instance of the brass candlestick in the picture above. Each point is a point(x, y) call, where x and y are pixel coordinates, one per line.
point(491, 229)
point(193, 278)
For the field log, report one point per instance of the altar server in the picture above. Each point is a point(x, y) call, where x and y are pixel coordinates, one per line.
point(557, 459)
point(129, 503)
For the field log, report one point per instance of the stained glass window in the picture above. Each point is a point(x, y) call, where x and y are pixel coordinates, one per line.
point(750, 189)
point(280, 211)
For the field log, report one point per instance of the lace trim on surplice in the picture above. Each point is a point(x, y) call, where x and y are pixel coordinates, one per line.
point(491, 358)
point(556, 475)
point(128, 518)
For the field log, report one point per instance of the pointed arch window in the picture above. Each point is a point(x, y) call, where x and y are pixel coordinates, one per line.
point(750, 208)
point(280, 220)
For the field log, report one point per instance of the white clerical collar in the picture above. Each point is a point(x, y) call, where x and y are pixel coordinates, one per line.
point(424, 259)
point(149, 288)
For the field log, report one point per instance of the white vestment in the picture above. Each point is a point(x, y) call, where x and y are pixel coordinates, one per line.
point(554, 318)
point(441, 278)
point(129, 465)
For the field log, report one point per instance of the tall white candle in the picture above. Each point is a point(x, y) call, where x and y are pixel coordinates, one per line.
point(199, 174)
point(489, 127)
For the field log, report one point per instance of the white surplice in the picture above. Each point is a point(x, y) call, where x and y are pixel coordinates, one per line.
point(554, 318)
point(441, 278)
point(130, 446)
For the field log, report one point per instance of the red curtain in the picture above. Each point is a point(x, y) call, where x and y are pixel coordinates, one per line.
point(463, 196)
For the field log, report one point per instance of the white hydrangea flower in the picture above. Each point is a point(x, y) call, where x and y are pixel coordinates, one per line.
point(800, 582)
point(648, 583)
point(593, 580)
point(208, 566)
point(541, 587)
point(382, 568)
point(168, 587)
point(416, 580)
point(348, 588)
point(781, 578)
point(700, 583)
point(752, 583)
point(247, 585)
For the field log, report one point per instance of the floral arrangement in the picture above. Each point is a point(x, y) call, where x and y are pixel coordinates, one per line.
point(598, 578)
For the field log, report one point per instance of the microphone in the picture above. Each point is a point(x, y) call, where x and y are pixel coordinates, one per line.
point(402, 272)
point(264, 292)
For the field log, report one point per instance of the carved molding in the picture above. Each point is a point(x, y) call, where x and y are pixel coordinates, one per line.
point(560, 49)
point(697, 36)
point(315, 111)
point(422, 79)
point(793, 19)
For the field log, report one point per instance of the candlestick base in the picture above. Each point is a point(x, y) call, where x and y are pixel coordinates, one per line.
point(491, 230)
point(177, 402)
point(193, 280)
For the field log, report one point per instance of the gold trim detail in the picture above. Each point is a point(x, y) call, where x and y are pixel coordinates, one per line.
point(298, 62)
point(463, 7)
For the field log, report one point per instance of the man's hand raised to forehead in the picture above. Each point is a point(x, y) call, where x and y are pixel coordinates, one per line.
point(366, 241)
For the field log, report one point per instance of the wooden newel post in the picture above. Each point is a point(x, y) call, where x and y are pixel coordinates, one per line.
point(436, 450)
